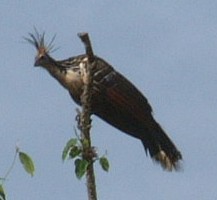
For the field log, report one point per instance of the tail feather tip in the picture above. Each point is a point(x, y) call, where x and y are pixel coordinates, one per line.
point(168, 163)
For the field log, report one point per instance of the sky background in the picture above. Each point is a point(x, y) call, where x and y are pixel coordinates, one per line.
point(168, 49)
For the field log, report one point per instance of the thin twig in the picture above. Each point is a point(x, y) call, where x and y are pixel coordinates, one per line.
point(12, 166)
point(88, 151)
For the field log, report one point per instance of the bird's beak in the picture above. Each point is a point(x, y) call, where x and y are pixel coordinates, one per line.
point(37, 63)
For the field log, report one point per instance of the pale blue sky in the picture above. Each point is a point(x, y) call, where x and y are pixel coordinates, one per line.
point(167, 48)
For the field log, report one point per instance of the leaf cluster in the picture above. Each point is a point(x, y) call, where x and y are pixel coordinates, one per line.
point(74, 149)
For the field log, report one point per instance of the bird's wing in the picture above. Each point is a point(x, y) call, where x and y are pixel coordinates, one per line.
point(119, 102)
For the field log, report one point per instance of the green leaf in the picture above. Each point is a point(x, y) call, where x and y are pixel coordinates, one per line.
point(80, 167)
point(104, 163)
point(27, 163)
point(2, 193)
point(75, 151)
point(69, 145)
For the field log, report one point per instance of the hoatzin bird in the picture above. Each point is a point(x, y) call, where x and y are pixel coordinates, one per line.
point(114, 99)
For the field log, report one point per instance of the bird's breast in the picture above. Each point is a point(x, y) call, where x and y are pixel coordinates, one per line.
point(72, 81)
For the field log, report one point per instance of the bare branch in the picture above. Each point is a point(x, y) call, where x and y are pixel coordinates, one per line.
point(89, 51)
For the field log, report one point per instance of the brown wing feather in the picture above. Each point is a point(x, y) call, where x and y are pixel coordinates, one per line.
point(122, 105)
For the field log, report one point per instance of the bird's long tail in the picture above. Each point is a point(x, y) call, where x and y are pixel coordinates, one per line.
point(162, 149)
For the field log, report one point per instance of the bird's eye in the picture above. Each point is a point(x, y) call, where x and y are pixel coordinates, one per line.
point(42, 57)
point(40, 60)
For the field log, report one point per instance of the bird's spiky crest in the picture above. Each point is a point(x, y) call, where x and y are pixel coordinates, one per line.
point(38, 41)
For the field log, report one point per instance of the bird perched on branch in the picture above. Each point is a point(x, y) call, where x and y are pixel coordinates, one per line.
point(114, 99)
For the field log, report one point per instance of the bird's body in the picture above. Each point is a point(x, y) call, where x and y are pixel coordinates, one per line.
point(114, 99)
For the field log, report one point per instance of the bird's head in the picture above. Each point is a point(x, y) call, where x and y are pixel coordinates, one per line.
point(42, 57)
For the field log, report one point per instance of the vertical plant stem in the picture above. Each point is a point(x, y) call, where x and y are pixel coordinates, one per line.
point(88, 151)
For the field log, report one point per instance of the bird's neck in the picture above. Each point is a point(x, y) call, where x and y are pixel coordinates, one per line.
point(55, 71)
point(69, 78)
